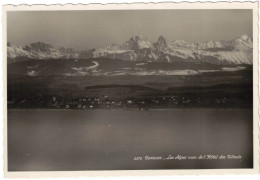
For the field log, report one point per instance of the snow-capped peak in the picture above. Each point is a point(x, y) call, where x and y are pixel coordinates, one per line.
point(161, 43)
point(137, 42)
point(244, 37)
point(243, 42)
point(38, 46)
point(138, 38)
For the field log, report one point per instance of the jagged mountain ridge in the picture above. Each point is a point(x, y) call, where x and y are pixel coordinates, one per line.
point(138, 48)
point(40, 50)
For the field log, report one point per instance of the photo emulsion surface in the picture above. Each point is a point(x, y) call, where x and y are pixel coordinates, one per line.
point(129, 89)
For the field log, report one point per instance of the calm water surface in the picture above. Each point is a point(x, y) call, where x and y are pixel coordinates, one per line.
point(41, 140)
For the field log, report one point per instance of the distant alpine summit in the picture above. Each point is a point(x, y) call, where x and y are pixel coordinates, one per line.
point(39, 50)
point(138, 48)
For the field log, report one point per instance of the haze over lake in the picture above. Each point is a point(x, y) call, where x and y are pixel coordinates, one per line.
point(54, 140)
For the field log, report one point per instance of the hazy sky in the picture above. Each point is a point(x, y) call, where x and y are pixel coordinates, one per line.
point(91, 29)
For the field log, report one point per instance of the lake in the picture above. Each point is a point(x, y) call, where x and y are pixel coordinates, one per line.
point(59, 140)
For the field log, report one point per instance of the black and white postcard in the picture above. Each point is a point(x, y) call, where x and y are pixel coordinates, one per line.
point(131, 88)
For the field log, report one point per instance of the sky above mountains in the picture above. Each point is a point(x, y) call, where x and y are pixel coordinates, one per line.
point(91, 29)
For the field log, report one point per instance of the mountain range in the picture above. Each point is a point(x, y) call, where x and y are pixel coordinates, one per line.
point(138, 48)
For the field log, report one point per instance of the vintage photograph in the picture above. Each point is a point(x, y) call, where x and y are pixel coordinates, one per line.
point(151, 89)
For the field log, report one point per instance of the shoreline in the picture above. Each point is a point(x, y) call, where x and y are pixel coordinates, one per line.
point(125, 109)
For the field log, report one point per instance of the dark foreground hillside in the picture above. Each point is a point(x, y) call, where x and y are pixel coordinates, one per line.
point(210, 90)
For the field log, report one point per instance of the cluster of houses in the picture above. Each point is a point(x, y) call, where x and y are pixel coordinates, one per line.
point(104, 102)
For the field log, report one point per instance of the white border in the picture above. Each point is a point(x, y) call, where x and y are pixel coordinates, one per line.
point(186, 5)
